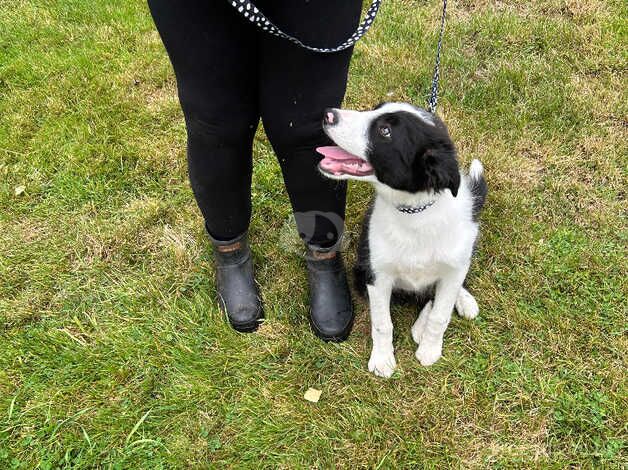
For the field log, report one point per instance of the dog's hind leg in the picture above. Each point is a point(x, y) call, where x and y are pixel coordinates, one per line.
point(466, 306)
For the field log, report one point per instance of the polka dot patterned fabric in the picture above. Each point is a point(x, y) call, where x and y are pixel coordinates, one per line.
point(252, 13)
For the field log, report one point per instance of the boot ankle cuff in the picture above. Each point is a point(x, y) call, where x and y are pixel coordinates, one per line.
point(318, 255)
point(320, 251)
point(226, 246)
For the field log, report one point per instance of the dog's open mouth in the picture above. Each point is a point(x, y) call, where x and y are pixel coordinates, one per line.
point(339, 162)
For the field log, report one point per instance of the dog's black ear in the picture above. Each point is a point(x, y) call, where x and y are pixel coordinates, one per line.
point(454, 183)
point(441, 168)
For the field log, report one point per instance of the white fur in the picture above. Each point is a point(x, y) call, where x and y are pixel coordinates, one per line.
point(476, 169)
point(466, 306)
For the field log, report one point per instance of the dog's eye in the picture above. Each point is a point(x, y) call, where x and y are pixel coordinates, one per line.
point(385, 131)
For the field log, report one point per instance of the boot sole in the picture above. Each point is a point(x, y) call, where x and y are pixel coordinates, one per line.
point(337, 338)
point(246, 327)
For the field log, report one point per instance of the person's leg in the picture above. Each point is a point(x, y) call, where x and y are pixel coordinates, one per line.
point(296, 87)
point(214, 55)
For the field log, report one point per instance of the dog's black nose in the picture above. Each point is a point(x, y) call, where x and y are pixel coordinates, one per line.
point(331, 117)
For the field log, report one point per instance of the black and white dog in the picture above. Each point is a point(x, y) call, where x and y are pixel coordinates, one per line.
point(419, 233)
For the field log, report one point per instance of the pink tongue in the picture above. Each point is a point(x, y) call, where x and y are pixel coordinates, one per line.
point(336, 153)
point(339, 161)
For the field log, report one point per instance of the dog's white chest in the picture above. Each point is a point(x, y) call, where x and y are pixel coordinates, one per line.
point(411, 265)
point(417, 250)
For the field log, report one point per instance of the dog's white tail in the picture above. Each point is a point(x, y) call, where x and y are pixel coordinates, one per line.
point(476, 170)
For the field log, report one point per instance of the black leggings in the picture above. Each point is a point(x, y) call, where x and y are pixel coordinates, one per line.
point(229, 74)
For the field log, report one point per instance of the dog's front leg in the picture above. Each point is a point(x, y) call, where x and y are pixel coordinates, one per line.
point(382, 361)
point(430, 347)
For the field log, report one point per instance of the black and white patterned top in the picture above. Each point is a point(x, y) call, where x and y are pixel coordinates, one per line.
point(255, 16)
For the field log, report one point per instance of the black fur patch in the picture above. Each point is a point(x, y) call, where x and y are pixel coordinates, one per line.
point(411, 155)
point(479, 190)
point(362, 271)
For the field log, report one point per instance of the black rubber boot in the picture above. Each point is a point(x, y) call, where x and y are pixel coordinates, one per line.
point(331, 310)
point(237, 291)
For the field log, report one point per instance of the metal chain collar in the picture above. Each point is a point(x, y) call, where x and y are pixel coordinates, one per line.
point(414, 209)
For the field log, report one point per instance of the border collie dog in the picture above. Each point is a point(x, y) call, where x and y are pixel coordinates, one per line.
point(419, 234)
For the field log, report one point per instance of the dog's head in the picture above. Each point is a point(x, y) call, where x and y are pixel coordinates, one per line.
point(396, 144)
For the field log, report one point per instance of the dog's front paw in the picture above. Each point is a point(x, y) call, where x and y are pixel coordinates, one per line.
point(429, 352)
point(466, 306)
point(419, 325)
point(382, 364)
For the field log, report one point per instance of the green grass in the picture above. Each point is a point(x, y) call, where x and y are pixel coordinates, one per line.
point(113, 352)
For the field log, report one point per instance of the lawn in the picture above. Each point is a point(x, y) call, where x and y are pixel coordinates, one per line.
point(113, 352)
